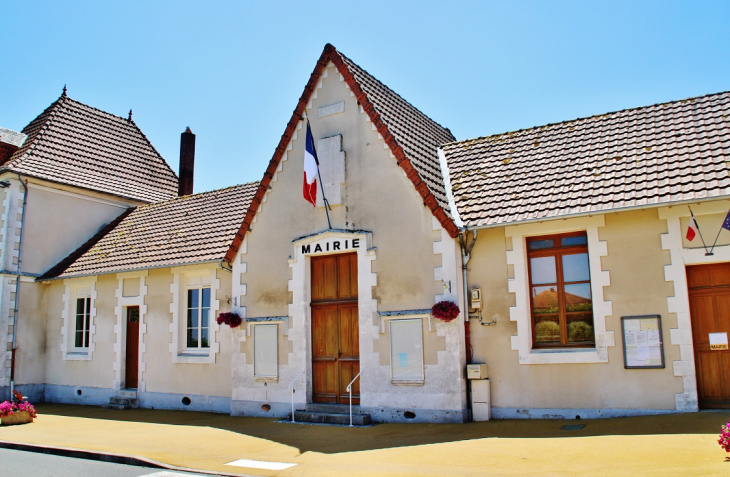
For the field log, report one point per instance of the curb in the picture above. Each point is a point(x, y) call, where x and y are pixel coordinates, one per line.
point(107, 457)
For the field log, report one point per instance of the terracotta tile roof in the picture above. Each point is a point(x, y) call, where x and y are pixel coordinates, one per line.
point(653, 155)
point(74, 144)
point(418, 135)
point(412, 137)
point(189, 229)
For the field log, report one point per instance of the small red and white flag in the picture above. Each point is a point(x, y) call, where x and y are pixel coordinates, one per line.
point(693, 230)
point(311, 169)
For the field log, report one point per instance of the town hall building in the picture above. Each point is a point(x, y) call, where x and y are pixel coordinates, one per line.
point(564, 246)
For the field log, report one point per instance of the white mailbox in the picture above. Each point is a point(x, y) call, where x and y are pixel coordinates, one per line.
point(476, 371)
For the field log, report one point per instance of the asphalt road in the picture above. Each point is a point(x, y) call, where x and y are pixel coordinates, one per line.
point(14, 463)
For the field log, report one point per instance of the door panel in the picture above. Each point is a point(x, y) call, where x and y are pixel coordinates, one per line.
point(132, 355)
point(324, 353)
point(709, 298)
point(335, 334)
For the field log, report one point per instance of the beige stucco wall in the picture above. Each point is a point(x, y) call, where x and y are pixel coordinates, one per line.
point(161, 374)
point(57, 222)
point(31, 334)
point(377, 198)
point(636, 263)
point(97, 372)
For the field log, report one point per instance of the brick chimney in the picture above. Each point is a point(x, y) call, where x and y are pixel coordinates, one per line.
point(187, 162)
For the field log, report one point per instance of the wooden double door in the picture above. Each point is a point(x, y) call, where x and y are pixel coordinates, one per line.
point(335, 333)
point(709, 303)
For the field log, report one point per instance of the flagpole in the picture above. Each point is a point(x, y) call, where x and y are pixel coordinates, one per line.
point(725, 225)
point(707, 252)
point(321, 186)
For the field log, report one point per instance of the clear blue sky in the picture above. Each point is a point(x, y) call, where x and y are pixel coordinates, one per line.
point(233, 71)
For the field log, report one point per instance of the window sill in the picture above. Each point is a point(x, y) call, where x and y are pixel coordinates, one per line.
point(190, 357)
point(563, 356)
point(407, 382)
point(78, 355)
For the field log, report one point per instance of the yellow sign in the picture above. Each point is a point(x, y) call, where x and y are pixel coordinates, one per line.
point(718, 341)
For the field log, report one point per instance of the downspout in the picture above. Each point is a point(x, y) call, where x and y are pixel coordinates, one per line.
point(17, 285)
point(465, 256)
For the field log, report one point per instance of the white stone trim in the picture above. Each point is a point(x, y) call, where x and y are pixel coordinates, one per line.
point(68, 352)
point(519, 285)
point(300, 312)
point(7, 307)
point(177, 349)
point(449, 193)
point(120, 329)
point(676, 273)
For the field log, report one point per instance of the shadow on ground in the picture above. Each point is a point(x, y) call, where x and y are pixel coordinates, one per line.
point(332, 440)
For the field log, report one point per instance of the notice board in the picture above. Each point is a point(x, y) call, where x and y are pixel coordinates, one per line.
point(642, 337)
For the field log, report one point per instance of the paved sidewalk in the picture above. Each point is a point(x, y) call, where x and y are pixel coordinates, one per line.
point(680, 444)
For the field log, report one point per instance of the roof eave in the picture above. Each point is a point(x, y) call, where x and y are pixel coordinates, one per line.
point(597, 212)
point(125, 270)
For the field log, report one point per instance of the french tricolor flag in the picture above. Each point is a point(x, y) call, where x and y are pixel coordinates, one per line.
point(693, 229)
point(311, 169)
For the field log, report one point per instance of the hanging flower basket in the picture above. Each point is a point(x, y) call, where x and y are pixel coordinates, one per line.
point(445, 310)
point(229, 318)
point(17, 411)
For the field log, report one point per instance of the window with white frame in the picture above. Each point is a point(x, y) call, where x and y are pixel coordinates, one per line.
point(198, 318)
point(559, 283)
point(83, 318)
point(406, 349)
point(266, 350)
point(79, 315)
point(194, 308)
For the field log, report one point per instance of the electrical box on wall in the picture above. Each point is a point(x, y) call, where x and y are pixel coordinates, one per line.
point(476, 371)
point(476, 298)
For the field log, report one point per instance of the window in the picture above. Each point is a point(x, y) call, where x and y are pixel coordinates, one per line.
point(406, 350)
point(198, 316)
point(560, 291)
point(265, 350)
point(83, 321)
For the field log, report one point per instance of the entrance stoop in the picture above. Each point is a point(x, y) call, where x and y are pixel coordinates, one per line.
point(125, 399)
point(337, 414)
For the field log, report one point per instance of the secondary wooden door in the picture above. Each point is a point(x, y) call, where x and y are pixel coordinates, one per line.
point(335, 334)
point(709, 301)
point(132, 360)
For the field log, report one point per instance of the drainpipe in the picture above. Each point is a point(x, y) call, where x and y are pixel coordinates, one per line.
point(17, 286)
point(465, 256)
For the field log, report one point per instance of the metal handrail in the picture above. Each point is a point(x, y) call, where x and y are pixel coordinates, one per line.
point(292, 393)
point(349, 389)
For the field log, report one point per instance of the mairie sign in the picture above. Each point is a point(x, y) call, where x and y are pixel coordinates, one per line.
point(332, 245)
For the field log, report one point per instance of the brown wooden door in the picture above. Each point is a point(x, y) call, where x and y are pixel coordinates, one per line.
point(335, 335)
point(709, 302)
point(132, 360)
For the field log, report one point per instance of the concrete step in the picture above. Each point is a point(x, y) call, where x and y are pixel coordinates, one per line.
point(123, 401)
point(332, 408)
point(119, 407)
point(127, 393)
point(332, 418)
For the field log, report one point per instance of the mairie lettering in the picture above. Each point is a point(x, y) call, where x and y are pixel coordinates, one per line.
point(331, 246)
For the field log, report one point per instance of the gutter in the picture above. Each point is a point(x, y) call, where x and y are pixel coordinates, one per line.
point(600, 212)
point(17, 286)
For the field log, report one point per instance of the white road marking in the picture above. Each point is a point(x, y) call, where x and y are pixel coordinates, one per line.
point(260, 464)
point(167, 473)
